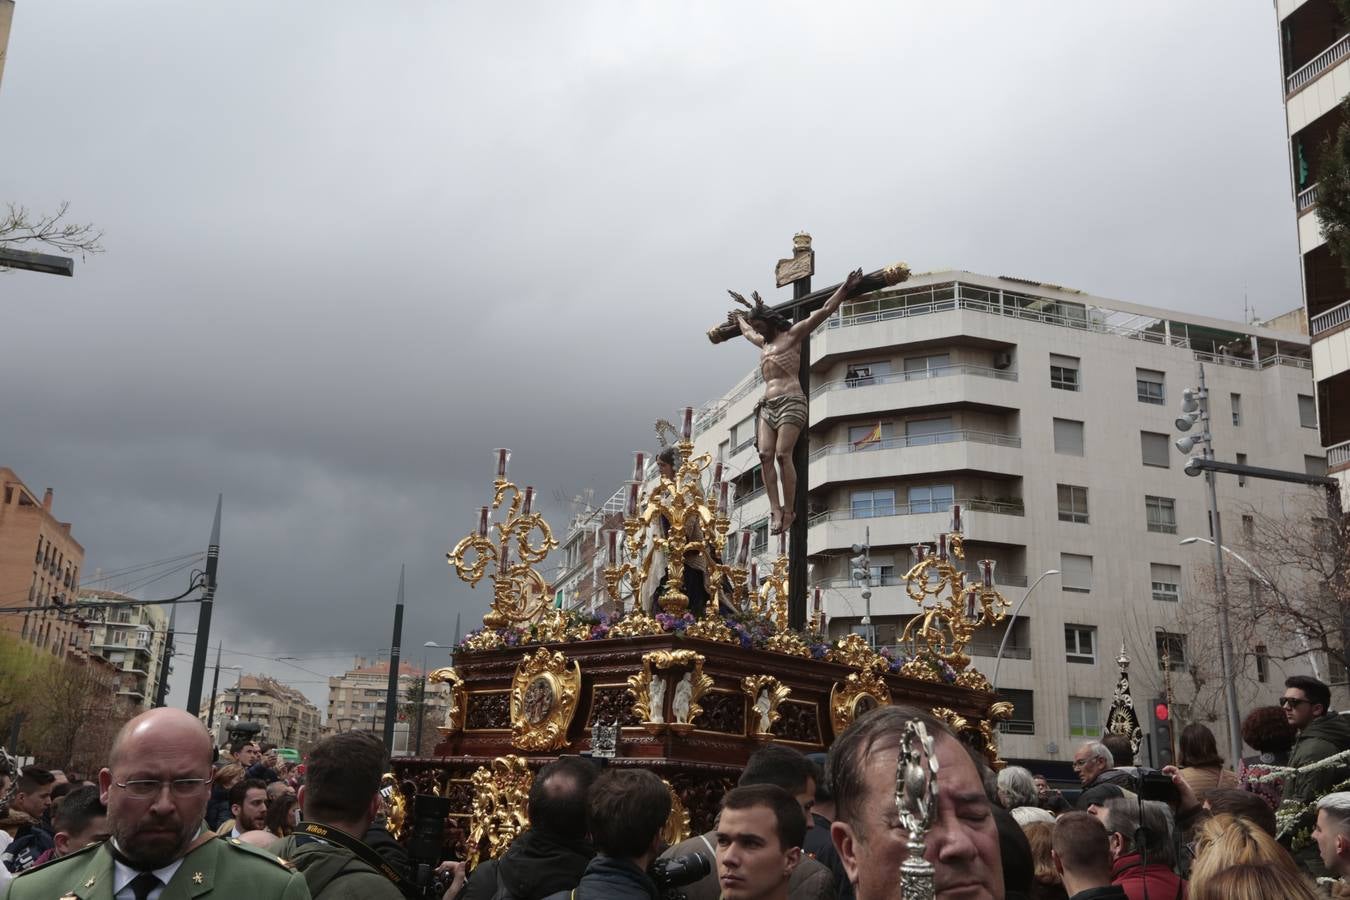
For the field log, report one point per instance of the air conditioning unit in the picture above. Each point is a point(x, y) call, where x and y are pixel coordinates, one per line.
point(1003, 359)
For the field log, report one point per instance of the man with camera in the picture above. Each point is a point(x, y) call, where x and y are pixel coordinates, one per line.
point(759, 836)
point(785, 768)
point(625, 811)
point(340, 798)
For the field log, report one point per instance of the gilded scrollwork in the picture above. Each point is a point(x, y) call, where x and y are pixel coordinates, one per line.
point(676, 828)
point(544, 696)
point(860, 692)
point(648, 703)
point(500, 806)
point(765, 693)
point(454, 714)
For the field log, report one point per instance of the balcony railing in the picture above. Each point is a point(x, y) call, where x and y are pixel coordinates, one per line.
point(1307, 198)
point(988, 646)
point(920, 440)
point(1337, 315)
point(1338, 455)
point(999, 507)
point(1318, 64)
point(843, 583)
point(920, 375)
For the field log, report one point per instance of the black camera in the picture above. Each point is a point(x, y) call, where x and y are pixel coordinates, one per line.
point(424, 843)
point(1155, 785)
point(678, 871)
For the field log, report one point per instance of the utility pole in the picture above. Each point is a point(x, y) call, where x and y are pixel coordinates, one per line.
point(165, 666)
point(861, 565)
point(215, 682)
point(391, 698)
point(194, 697)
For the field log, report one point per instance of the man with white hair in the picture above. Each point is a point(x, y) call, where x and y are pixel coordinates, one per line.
point(1016, 787)
point(1094, 764)
point(1332, 832)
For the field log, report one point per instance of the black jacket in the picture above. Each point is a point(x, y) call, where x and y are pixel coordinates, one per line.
point(609, 878)
point(1110, 892)
point(536, 865)
point(218, 807)
point(819, 845)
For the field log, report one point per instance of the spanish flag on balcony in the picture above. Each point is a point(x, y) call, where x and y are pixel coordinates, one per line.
point(872, 437)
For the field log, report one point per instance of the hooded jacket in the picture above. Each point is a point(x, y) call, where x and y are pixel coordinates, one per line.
point(30, 841)
point(333, 872)
point(536, 865)
point(1323, 737)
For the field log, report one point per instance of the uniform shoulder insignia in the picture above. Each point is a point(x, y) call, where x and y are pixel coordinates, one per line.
point(262, 853)
point(83, 851)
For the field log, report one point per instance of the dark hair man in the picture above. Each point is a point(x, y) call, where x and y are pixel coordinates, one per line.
point(1122, 753)
point(156, 788)
point(551, 855)
point(625, 812)
point(1082, 856)
point(340, 798)
point(962, 844)
point(245, 752)
point(759, 836)
point(81, 820)
point(248, 808)
point(24, 818)
point(1135, 827)
point(817, 845)
point(785, 768)
point(1321, 733)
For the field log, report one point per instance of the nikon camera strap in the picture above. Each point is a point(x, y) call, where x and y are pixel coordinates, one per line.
point(359, 849)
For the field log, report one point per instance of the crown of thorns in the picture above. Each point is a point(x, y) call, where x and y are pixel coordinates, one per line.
point(760, 310)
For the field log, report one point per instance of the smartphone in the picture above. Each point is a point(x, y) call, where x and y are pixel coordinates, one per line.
point(1157, 786)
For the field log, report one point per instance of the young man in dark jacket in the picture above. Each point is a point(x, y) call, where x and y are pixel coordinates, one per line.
point(1321, 734)
point(1082, 856)
point(552, 854)
point(23, 819)
point(625, 812)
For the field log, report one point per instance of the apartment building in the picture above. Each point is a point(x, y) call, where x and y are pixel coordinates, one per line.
point(356, 701)
point(1047, 414)
point(285, 715)
point(131, 636)
point(1315, 54)
point(40, 565)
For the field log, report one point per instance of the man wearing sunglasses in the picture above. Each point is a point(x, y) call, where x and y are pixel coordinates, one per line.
point(1321, 734)
point(156, 789)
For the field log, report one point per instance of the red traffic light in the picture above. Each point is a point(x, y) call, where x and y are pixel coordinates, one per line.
point(1160, 712)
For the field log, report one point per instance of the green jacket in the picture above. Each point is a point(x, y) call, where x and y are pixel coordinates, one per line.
point(219, 867)
point(1323, 737)
point(334, 873)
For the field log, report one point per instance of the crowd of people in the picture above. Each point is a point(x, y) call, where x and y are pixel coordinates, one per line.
point(170, 817)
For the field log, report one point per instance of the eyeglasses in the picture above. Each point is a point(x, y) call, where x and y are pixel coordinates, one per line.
point(1293, 701)
point(147, 790)
point(1080, 763)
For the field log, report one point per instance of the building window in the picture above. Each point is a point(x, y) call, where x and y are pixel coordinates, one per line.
point(722, 449)
point(1023, 719)
point(1307, 411)
point(1154, 447)
point(871, 504)
point(863, 374)
point(1075, 572)
point(880, 575)
point(927, 366)
point(1064, 372)
point(870, 437)
point(1073, 503)
point(1173, 646)
point(1149, 386)
point(1248, 528)
point(931, 498)
point(1085, 717)
point(742, 434)
point(1166, 582)
point(1162, 514)
point(1262, 664)
point(1241, 460)
point(1080, 643)
point(919, 432)
point(760, 540)
point(1314, 465)
point(1235, 400)
point(1069, 437)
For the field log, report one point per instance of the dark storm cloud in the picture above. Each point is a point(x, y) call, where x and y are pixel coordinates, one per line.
point(353, 246)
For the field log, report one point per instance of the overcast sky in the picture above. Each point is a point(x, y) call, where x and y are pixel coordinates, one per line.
point(352, 247)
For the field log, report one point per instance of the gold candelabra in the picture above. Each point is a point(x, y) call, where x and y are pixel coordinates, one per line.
point(951, 610)
point(519, 593)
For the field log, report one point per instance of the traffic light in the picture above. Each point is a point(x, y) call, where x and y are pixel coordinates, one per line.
point(1162, 732)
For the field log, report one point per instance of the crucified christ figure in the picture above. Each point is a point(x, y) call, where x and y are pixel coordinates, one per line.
point(782, 413)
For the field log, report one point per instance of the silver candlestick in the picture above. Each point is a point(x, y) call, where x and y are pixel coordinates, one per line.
point(916, 798)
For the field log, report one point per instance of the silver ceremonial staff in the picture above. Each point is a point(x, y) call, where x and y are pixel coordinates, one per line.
point(916, 797)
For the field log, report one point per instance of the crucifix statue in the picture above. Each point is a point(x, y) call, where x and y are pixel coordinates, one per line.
point(786, 348)
point(781, 415)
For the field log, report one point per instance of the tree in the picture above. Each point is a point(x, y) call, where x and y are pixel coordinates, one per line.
point(19, 227)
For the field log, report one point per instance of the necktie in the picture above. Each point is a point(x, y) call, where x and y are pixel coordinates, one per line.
point(143, 884)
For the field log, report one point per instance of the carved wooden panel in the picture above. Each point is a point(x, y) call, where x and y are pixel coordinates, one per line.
point(488, 710)
point(702, 797)
point(798, 721)
point(723, 712)
point(611, 703)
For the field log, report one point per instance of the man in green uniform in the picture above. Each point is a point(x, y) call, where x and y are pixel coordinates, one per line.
point(156, 788)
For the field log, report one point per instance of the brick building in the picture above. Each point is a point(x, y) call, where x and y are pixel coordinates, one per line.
point(39, 569)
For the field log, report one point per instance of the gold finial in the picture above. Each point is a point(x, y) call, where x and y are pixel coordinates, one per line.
point(801, 241)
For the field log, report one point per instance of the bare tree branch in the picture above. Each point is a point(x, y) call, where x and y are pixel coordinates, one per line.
point(19, 227)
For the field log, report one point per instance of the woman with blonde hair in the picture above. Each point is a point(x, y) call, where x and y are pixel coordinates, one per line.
point(1226, 844)
point(1047, 884)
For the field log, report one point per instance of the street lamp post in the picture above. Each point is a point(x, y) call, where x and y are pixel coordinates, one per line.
point(1302, 638)
point(998, 660)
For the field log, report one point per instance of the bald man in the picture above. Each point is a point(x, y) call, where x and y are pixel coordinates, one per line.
point(156, 788)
